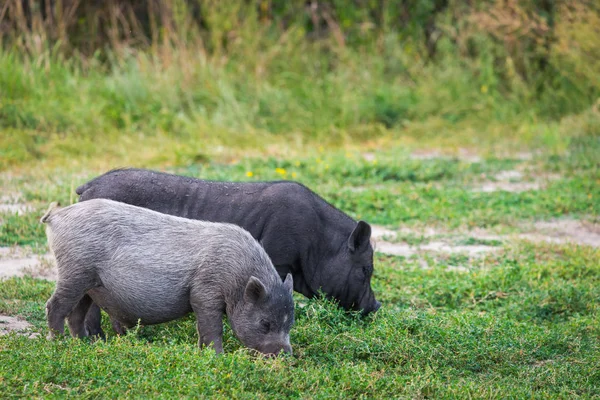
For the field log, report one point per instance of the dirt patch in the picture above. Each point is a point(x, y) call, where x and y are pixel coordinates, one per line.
point(514, 187)
point(10, 197)
point(565, 231)
point(462, 154)
point(18, 208)
point(509, 175)
point(12, 203)
point(384, 242)
point(378, 232)
point(525, 155)
point(15, 261)
point(390, 242)
point(561, 231)
point(14, 252)
point(403, 249)
point(369, 157)
point(369, 188)
point(427, 154)
point(514, 181)
point(13, 324)
point(468, 155)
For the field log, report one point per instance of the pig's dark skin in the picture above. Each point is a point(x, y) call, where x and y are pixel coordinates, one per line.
point(322, 247)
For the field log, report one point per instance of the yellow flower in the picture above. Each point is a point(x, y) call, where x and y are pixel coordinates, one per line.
point(294, 175)
point(297, 163)
point(321, 149)
point(326, 166)
point(484, 89)
point(280, 171)
point(249, 174)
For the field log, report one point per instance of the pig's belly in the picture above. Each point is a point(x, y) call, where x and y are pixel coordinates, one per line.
point(148, 308)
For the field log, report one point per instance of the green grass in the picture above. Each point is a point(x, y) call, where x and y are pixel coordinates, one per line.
point(521, 322)
point(179, 104)
point(523, 326)
point(389, 190)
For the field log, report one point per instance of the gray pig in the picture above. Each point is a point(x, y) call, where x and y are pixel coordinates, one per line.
point(139, 264)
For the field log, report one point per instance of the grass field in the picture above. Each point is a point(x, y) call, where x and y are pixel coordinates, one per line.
point(478, 166)
point(520, 321)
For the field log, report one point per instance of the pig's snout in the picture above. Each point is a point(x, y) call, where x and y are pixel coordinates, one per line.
point(377, 306)
point(287, 348)
point(374, 307)
point(274, 349)
point(369, 305)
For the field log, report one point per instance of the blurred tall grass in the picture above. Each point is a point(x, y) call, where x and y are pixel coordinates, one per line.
point(246, 72)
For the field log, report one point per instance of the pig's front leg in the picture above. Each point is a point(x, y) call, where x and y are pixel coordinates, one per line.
point(209, 316)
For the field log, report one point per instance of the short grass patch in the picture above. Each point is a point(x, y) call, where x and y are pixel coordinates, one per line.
point(526, 325)
point(394, 191)
point(522, 321)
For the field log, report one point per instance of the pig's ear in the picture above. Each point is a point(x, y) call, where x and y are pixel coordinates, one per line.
point(289, 283)
point(360, 236)
point(255, 290)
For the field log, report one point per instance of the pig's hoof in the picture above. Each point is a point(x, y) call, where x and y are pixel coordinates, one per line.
point(97, 333)
point(118, 328)
point(98, 336)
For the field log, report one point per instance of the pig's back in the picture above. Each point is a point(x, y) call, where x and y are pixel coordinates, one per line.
point(232, 202)
point(146, 262)
point(109, 234)
point(107, 228)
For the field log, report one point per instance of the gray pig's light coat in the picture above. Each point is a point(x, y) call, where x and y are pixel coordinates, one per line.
point(139, 264)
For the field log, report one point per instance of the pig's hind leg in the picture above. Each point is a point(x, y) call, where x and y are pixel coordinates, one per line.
point(76, 319)
point(93, 321)
point(67, 295)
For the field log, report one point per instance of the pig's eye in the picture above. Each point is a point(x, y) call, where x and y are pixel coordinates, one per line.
point(265, 325)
